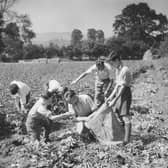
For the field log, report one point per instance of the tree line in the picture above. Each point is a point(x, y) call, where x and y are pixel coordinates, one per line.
point(136, 28)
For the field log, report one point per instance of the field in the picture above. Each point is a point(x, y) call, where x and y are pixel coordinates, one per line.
point(149, 145)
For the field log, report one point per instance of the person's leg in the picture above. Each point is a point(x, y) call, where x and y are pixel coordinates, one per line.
point(127, 127)
point(47, 125)
point(124, 112)
point(79, 127)
point(33, 128)
point(18, 104)
point(28, 98)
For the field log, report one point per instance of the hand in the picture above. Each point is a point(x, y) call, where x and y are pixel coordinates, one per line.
point(105, 93)
point(112, 103)
point(108, 100)
point(83, 119)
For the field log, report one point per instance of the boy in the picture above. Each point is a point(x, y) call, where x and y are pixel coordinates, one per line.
point(39, 116)
point(78, 105)
point(102, 81)
point(121, 96)
point(21, 93)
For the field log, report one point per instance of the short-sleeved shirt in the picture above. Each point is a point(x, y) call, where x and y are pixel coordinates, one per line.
point(39, 107)
point(100, 74)
point(123, 76)
point(83, 107)
point(24, 90)
point(54, 85)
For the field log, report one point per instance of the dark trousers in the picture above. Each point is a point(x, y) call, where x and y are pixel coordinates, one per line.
point(36, 123)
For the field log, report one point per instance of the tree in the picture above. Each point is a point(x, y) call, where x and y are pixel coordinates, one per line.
point(100, 36)
point(1, 31)
point(12, 31)
point(13, 48)
point(52, 50)
point(115, 43)
point(5, 5)
point(26, 33)
point(12, 44)
point(139, 22)
point(33, 51)
point(91, 35)
point(76, 37)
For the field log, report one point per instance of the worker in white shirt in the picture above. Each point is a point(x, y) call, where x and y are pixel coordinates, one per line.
point(78, 106)
point(102, 79)
point(121, 97)
point(21, 93)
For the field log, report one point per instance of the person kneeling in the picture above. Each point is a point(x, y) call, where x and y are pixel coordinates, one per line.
point(40, 117)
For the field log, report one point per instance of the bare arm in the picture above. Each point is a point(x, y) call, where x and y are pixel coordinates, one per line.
point(79, 78)
point(61, 116)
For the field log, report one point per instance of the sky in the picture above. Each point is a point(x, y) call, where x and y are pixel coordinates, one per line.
point(66, 15)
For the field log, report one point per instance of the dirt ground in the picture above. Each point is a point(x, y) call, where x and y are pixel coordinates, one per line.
point(148, 147)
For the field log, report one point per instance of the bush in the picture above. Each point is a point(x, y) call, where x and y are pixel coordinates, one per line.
point(163, 49)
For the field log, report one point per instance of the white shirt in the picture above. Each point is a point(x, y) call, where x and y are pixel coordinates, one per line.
point(84, 106)
point(100, 74)
point(123, 76)
point(24, 90)
point(39, 107)
point(54, 85)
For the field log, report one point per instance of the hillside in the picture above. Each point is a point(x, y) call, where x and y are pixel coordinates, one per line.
point(60, 39)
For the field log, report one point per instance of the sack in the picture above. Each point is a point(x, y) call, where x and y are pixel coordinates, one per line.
point(105, 125)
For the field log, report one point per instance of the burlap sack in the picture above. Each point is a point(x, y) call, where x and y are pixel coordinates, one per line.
point(105, 125)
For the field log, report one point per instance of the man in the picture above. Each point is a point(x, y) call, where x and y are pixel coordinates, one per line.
point(121, 96)
point(102, 80)
point(79, 106)
point(21, 93)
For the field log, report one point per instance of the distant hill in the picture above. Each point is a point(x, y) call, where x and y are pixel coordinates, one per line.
point(57, 38)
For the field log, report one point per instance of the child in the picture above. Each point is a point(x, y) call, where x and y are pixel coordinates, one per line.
point(79, 106)
point(102, 73)
point(21, 93)
point(38, 117)
point(121, 96)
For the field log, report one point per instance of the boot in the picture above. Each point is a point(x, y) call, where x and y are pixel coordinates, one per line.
point(127, 128)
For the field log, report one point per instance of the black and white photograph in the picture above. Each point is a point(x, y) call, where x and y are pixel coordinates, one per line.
point(83, 84)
